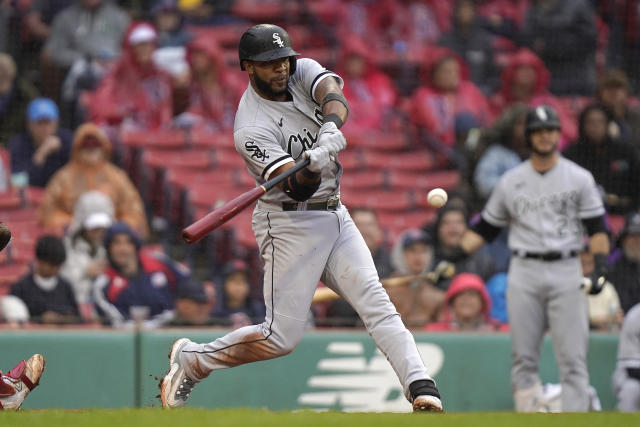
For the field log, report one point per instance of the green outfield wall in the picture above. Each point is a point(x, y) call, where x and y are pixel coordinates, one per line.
point(329, 370)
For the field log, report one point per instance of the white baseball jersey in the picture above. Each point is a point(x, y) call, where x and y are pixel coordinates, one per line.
point(269, 134)
point(544, 210)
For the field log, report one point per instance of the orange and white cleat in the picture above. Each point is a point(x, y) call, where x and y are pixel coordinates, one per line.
point(16, 384)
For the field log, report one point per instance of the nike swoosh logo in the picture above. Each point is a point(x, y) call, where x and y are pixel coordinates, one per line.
point(280, 122)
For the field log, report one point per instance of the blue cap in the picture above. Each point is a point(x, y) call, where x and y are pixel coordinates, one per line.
point(42, 109)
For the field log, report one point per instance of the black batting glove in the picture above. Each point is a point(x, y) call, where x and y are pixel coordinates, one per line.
point(598, 276)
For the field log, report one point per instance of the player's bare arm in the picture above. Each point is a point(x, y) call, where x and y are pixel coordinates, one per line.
point(329, 95)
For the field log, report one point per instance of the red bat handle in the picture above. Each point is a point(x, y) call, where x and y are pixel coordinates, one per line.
point(216, 218)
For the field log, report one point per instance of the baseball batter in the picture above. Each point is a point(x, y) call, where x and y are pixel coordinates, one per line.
point(547, 202)
point(293, 109)
point(626, 377)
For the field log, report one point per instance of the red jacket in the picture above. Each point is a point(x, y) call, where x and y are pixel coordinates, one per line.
point(540, 96)
point(435, 110)
point(132, 91)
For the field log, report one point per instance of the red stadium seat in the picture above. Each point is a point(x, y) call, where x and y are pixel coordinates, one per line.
point(417, 160)
point(9, 274)
point(379, 200)
point(211, 140)
point(375, 179)
point(378, 141)
point(166, 139)
point(424, 181)
point(187, 159)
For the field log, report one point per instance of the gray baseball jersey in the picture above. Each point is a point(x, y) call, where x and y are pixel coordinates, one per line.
point(626, 388)
point(300, 247)
point(544, 213)
point(269, 134)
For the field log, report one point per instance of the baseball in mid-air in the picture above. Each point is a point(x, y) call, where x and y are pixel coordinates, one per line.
point(437, 197)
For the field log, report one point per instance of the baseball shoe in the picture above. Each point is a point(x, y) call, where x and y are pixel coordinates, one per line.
point(16, 384)
point(427, 403)
point(176, 386)
point(426, 397)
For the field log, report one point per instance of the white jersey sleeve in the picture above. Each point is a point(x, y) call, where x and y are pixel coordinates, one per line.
point(307, 76)
point(590, 199)
point(629, 344)
point(495, 211)
point(261, 149)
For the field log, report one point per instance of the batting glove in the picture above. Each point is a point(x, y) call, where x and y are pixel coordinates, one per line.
point(320, 157)
point(330, 137)
point(597, 279)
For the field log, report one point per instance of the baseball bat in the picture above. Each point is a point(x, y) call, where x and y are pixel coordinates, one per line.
point(224, 213)
point(444, 269)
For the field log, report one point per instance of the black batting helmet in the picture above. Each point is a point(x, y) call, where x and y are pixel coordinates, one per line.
point(541, 117)
point(266, 42)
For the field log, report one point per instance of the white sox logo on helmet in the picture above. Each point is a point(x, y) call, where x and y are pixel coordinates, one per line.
point(277, 40)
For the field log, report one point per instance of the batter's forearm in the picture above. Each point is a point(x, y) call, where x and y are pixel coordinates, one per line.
point(325, 87)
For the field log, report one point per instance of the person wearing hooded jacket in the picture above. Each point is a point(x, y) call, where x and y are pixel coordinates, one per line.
point(136, 278)
point(446, 92)
point(213, 91)
point(90, 169)
point(83, 241)
point(526, 79)
point(371, 93)
point(467, 307)
point(135, 93)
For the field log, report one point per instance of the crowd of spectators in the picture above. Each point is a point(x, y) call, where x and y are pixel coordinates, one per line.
point(454, 77)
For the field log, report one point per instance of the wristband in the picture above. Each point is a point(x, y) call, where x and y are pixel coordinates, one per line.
point(333, 117)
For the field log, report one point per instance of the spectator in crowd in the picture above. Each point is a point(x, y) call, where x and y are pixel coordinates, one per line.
point(615, 165)
point(526, 79)
point(625, 272)
point(563, 34)
point(135, 93)
point(235, 305)
point(451, 223)
point(505, 148)
point(339, 311)
point(371, 93)
point(44, 147)
point(604, 308)
point(623, 21)
point(5, 17)
point(15, 95)
point(194, 303)
point(405, 25)
point(613, 92)
point(445, 93)
point(84, 30)
point(209, 12)
point(90, 169)
point(469, 39)
point(213, 92)
point(48, 297)
point(136, 285)
point(170, 24)
point(84, 243)
point(419, 301)
point(467, 307)
point(39, 18)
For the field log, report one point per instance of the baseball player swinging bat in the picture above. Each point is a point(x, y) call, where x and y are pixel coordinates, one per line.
point(444, 270)
point(224, 213)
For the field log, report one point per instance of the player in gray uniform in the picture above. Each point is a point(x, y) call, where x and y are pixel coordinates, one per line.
point(547, 202)
point(293, 109)
point(626, 377)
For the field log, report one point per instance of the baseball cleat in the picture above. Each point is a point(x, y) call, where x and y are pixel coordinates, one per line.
point(426, 403)
point(16, 384)
point(176, 386)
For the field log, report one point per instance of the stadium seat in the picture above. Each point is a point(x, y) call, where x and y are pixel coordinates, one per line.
point(374, 179)
point(447, 179)
point(211, 140)
point(378, 141)
point(166, 139)
point(379, 200)
point(417, 160)
point(9, 274)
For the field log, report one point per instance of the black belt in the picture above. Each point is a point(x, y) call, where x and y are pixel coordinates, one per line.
point(330, 204)
point(546, 256)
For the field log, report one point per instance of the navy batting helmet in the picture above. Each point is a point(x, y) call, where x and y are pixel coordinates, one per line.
point(266, 42)
point(542, 117)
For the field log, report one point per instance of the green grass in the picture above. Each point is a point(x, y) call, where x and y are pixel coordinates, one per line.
point(263, 418)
